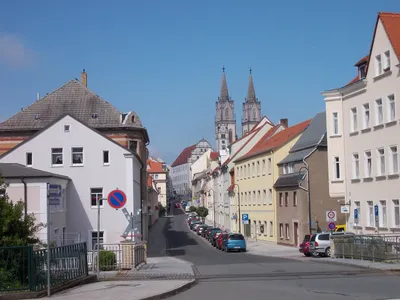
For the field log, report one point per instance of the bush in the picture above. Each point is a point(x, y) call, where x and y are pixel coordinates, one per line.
point(193, 209)
point(202, 211)
point(108, 260)
point(161, 210)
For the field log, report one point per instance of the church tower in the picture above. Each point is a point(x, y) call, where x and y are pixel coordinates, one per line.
point(225, 119)
point(251, 108)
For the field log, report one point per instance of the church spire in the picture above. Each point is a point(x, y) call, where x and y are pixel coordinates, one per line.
point(224, 95)
point(251, 92)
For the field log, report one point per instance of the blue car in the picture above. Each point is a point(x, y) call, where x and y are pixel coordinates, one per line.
point(234, 241)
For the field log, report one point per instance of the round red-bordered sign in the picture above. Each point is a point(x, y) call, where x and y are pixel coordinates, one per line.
point(116, 199)
point(331, 214)
point(331, 225)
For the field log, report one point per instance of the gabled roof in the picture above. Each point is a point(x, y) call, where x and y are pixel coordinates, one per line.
point(391, 24)
point(14, 170)
point(84, 124)
point(74, 99)
point(271, 131)
point(274, 141)
point(155, 167)
point(184, 156)
point(254, 129)
point(313, 136)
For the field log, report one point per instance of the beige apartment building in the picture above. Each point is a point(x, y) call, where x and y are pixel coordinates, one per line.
point(363, 133)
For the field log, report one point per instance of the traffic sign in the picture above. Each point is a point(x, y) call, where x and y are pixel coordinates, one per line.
point(356, 215)
point(331, 225)
point(344, 209)
point(116, 199)
point(54, 194)
point(245, 217)
point(54, 190)
point(331, 216)
point(376, 215)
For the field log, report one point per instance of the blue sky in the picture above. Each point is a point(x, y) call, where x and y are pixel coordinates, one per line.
point(163, 59)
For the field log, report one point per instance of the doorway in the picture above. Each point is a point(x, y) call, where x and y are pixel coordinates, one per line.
point(296, 233)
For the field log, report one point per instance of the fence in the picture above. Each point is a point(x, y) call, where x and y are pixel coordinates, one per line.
point(23, 269)
point(118, 257)
point(380, 248)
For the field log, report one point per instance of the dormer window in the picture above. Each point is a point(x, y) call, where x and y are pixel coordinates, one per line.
point(37, 117)
point(94, 116)
point(133, 119)
point(362, 71)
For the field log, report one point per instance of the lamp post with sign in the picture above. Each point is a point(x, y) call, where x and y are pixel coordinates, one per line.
point(376, 209)
point(307, 190)
point(209, 195)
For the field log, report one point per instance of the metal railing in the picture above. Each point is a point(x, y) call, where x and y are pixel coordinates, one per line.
point(379, 248)
point(117, 257)
point(22, 268)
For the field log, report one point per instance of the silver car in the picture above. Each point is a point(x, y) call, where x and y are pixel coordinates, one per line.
point(320, 243)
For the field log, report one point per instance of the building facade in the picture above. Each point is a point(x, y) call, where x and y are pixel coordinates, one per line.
point(363, 135)
point(96, 166)
point(158, 172)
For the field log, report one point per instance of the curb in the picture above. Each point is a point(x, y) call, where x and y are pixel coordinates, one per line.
point(173, 292)
point(331, 261)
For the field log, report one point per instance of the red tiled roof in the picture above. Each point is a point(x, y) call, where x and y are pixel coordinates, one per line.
point(184, 156)
point(391, 23)
point(154, 167)
point(252, 130)
point(272, 141)
point(214, 155)
point(149, 181)
point(362, 61)
point(273, 129)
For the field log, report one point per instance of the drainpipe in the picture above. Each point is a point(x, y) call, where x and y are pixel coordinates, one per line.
point(309, 188)
point(25, 197)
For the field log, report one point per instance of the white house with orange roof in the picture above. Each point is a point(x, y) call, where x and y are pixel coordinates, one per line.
point(158, 172)
point(363, 135)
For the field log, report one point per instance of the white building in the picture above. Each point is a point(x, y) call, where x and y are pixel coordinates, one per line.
point(29, 186)
point(96, 166)
point(181, 176)
point(364, 134)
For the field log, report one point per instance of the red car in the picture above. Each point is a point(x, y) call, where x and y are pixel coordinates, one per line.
point(304, 247)
point(219, 240)
point(177, 205)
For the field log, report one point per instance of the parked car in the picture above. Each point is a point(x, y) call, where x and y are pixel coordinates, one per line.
point(304, 247)
point(192, 224)
point(212, 234)
point(220, 239)
point(209, 232)
point(196, 225)
point(177, 205)
point(234, 241)
point(215, 237)
point(200, 229)
point(320, 243)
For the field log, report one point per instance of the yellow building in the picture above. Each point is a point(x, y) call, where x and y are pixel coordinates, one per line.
point(256, 173)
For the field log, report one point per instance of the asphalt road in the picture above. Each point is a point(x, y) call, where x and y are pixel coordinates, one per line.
point(242, 275)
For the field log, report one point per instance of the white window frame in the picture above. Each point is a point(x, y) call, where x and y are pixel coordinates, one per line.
point(357, 205)
point(337, 168)
point(270, 196)
point(264, 197)
point(295, 198)
point(356, 166)
point(91, 191)
point(396, 211)
point(259, 197)
point(370, 214)
point(335, 123)
point(387, 61)
point(271, 228)
point(263, 167)
point(378, 65)
point(269, 165)
point(378, 112)
point(394, 159)
point(281, 230)
point(368, 164)
point(76, 151)
point(383, 214)
point(391, 108)
point(381, 161)
point(287, 231)
point(93, 238)
point(353, 119)
point(367, 116)
point(258, 168)
point(55, 153)
point(253, 169)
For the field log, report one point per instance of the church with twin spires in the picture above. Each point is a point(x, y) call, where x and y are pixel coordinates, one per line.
point(225, 118)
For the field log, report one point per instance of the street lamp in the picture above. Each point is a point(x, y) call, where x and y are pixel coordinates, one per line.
point(308, 195)
point(209, 195)
point(235, 184)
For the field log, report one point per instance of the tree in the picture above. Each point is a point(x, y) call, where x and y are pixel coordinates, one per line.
point(193, 209)
point(202, 212)
point(16, 229)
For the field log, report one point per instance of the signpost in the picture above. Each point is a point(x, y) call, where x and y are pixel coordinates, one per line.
point(245, 218)
point(331, 226)
point(129, 229)
point(331, 216)
point(116, 199)
point(54, 194)
point(376, 208)
point(345, 209)
point(356, 216)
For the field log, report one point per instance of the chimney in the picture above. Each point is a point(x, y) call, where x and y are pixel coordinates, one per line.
point(84, 77)
point(284, 123)
point(37, 96)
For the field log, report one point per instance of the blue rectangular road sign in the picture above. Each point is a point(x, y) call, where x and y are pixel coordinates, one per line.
point(54, 194)
point(245, 217)
point(376, 210)
point(355, 215)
